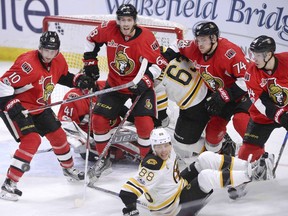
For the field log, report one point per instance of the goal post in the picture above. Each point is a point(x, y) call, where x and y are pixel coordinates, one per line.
point(73, 31)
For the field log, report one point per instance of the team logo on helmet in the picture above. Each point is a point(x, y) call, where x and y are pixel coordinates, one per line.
point(122, 64)
point(48, 87)
point(213, 82)
point(277, 93)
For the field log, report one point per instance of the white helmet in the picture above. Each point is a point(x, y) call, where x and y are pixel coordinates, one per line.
point(159, 136)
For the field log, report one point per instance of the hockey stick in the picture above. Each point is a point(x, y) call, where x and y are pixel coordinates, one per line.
point(280, 153)
point(79, 202)
point(117, 195)
point(112, 138)
point(137, 78)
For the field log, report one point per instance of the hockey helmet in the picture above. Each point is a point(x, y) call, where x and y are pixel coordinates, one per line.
point(206, 28)
point(263, 43)
point(49, 40)
point(159, 136)
point(126, 10)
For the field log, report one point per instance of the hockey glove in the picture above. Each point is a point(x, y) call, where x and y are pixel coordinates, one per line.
point(91, 68)
point(25, 123)
point(142, 86)
point(83, 82)
point(281, 117)
point(215, 103)
point(130, 210)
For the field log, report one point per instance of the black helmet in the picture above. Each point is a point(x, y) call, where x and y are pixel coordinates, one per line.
point(126, 10)
point(49, 40)
point(206, 28)
point(263, 43)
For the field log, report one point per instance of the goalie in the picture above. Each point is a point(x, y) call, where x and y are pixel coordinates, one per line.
point(74, 117)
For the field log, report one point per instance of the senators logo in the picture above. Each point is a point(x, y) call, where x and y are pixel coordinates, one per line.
point(148, 104)
point(277, 93)
point(213, 82)
point(122, 64)
point(48, 87)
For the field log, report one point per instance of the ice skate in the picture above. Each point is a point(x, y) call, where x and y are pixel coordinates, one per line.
point(73, 174)
point(102, 167)
point(238, 191)
point(262, 169)
point(9, 190)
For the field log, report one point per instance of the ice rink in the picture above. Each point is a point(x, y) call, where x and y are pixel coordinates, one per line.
point(47, 193)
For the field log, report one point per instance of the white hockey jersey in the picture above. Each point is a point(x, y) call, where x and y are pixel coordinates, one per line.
point(182, 84)
point(160, 182)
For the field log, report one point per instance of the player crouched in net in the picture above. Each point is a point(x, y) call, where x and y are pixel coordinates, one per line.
point(27, 85)
point(169, 192)
point(75, 121)
point(74, 117)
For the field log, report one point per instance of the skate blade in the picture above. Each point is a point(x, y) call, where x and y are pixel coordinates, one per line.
point(8, 196)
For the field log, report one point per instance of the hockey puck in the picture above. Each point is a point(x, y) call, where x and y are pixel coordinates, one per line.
point(25, 167)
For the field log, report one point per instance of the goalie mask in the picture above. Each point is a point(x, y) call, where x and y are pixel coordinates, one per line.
point(50, 40)
point(159, 136)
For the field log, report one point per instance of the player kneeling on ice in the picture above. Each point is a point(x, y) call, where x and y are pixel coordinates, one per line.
point(170, 192)
point(27, 85)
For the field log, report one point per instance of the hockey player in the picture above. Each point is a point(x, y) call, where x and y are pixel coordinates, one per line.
point(222, 66)
point(74, 117)
point(127, 45)
point(28, 84)
point(184, 86)
point(77, 112)
point(267, 84)
point(170, 193)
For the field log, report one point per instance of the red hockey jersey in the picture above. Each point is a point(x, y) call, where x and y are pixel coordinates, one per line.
point(124, 57)
point(77, 110)
point(32, 82)
point(276, 85)
point(227, 64)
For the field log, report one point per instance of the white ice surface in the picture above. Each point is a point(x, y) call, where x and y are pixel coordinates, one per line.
point(47, 193)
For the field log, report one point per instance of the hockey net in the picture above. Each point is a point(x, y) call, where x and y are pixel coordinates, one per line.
point(73, 31)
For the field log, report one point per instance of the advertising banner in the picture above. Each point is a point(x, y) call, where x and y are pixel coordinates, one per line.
point(239, 20)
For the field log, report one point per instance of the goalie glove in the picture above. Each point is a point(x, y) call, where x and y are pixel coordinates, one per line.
point(130, 210)
point(281, 117)
point(91, 68)
point(215, 103)
point(143, 85)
